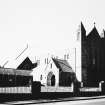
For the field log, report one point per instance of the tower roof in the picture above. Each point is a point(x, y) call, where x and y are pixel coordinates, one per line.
point(94, 33)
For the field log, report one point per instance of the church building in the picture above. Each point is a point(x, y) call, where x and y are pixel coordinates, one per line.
point(92, 56)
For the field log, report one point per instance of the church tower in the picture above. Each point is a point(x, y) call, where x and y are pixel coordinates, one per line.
point(93, 51)
point(80, 58)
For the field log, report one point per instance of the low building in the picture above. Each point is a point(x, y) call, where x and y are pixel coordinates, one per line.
point(14, 77)
point(56, 72)
point(17, 80)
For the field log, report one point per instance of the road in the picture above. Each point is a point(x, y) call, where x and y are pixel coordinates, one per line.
point(100, 100)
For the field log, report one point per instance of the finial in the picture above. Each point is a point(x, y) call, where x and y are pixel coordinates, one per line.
point(94, 24)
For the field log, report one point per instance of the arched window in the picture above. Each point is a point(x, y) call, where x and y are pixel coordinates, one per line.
point(50, 79)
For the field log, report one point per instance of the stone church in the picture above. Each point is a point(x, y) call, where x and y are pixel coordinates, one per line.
point(92, 56)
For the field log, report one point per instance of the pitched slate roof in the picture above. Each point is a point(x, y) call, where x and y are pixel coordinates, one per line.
point(63, 65)
point(27, 65)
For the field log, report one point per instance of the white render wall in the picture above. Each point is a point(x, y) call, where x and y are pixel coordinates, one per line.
point(43, 69)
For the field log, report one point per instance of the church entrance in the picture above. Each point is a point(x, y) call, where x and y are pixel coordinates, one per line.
point(50, 79)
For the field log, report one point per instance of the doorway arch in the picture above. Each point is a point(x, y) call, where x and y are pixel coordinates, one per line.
point(50, 79)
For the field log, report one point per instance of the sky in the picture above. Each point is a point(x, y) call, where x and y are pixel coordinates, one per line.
point(46, 26)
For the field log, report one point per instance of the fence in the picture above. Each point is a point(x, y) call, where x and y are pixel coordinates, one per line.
point(56, 89)
point(92, 89)
point(13, 90)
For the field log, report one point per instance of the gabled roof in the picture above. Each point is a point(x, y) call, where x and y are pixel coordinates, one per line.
point(27, 65)
point(63, 65)
point(93, 34)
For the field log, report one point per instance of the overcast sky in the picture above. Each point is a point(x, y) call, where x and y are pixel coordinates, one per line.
point(46, 25)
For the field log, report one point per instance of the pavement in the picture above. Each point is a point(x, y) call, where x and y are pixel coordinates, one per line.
point(98, 100)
